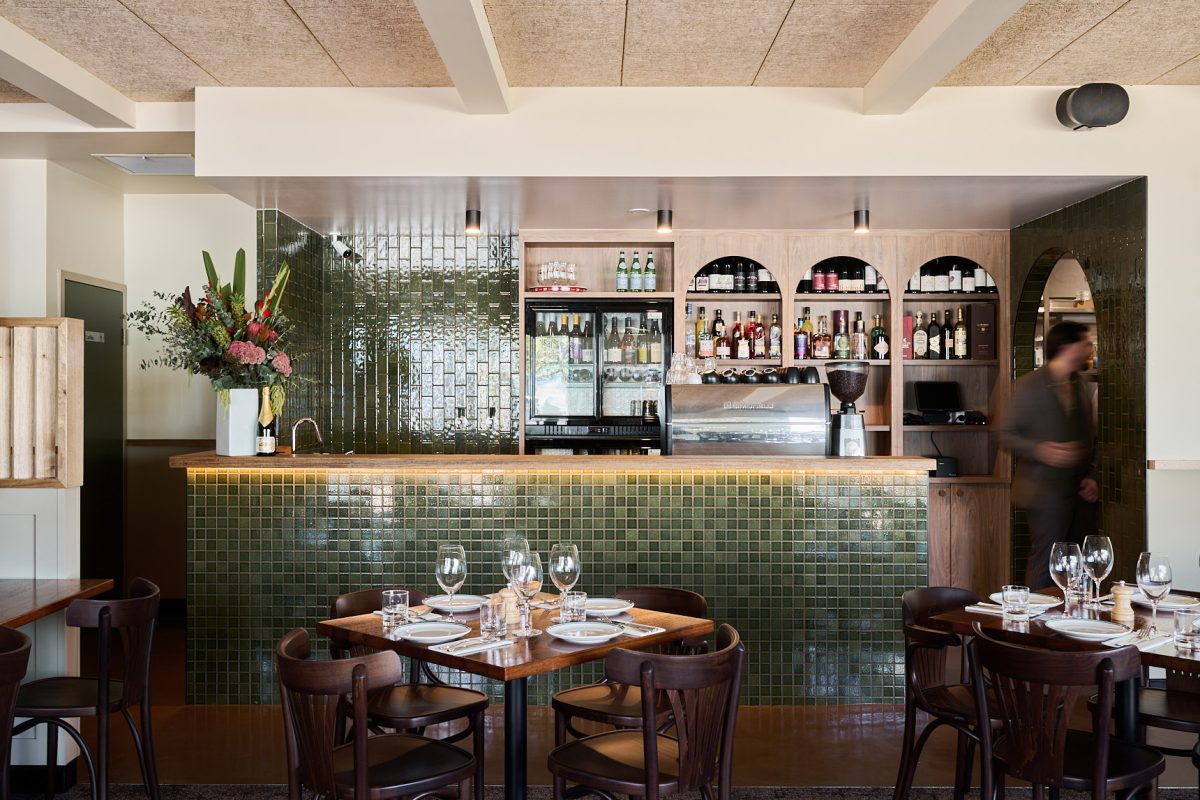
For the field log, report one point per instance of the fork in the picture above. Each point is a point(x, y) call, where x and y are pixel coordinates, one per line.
point(1146, 633)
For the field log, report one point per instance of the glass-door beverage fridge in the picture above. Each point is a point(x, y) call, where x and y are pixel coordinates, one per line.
point(594, 374)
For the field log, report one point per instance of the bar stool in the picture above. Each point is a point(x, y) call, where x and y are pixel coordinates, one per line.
point(414, 705)
point(14, 659)
point(369, 767)
point(703, 690)
point(51, 701)
point(615, 704)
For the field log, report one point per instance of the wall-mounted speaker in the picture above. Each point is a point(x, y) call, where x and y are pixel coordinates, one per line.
point(1093, 105)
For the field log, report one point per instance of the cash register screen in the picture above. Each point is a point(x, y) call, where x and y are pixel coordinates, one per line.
point(938, 396)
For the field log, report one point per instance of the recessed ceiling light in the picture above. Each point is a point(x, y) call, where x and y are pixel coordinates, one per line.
point(151, 164)
point(639, 211)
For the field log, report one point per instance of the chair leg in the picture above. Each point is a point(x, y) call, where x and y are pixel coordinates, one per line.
point(1055, 793)
point(1039, 792)
point(560, 787)
point(560, 728)
point(477, 721)
point(102, 761)
point(52, 759)
point(962, 767)
point(906, 751)
point(148, 750)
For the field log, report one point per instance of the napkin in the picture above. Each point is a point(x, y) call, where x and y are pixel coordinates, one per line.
point(466, 647)
point(428, 616)
point(638, 629)
point(997, 611)
point(1143, 645)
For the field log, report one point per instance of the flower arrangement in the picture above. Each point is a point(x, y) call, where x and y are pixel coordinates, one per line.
point(218, 338)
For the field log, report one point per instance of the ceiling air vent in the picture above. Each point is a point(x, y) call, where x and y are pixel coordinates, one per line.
point(156, 164)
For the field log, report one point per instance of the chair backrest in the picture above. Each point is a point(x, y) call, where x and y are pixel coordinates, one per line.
point(134, 619)
point(1036, 691)
point(364, 601)
point(14, 659)
point(702, 692)
point(310, 692)
point(924, 649)
point(670, 600)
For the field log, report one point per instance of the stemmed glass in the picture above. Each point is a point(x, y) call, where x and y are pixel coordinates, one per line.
point(450, 570)
point(1154, 579)
point(1066, 568)
point(564, 567)
point(527, 581)
point(512, 552)
point(1098, 558)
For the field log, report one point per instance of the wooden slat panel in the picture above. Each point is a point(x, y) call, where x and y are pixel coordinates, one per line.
point(70, 402)
point(23, 402)
point(46, 412)
point(5, 403)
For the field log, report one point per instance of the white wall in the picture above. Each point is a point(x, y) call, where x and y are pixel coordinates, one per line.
point(84, 231)
point(23, 238)
point(164, 236)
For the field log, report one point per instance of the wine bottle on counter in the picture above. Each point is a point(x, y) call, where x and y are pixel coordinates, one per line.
point(920, 337)
point(636, 283)
point(935, 336)
point(822, 343)
point(879, 340)
point(266, 443)
point(961, 350)
point(650, 279)
point(622, 274)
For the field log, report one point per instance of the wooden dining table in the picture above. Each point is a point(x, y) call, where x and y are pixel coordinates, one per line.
point(514, 665)
point(26, 600)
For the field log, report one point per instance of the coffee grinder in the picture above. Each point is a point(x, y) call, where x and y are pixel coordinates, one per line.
point(848, 381)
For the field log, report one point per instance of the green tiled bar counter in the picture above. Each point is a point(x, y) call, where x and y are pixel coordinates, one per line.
point(807, 557)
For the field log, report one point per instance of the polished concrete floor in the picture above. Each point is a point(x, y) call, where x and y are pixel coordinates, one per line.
point(775, 745)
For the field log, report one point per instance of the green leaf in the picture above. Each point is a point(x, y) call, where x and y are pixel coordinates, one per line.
point(279, 284)
point(239, 273)
point(211, 270)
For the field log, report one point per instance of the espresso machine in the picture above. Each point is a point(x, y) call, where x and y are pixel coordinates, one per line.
point(847, 382)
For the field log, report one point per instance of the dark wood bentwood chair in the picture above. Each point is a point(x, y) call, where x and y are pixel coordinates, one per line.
point(369, 767)
point(617, 704)
point(926, 688)
point(412, 705)
point(1174, 708)
point(1035, 692)
point(51, 701)
point(702, 692)
point(14, 659)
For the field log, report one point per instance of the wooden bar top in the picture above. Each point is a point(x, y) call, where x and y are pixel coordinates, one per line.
point(23, 600)
point(488, 463)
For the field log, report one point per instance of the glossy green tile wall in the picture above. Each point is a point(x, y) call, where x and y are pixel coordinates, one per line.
point(808, 566)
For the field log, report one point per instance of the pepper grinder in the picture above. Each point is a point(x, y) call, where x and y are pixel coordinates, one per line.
point(1122, 608)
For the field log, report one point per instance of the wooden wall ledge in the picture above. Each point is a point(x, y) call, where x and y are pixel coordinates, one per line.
point(1177, 464)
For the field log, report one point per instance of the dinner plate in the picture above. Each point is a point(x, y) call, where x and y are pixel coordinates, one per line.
point(585, 632)
point(1035, 599)
point(1172, 602)
point(460, 602)
point(606, 606)
point(1089, 630)
point(430, 632)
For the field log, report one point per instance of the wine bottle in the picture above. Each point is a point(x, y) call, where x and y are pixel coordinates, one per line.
point(629, 346)
point(575, 343)
point(960, 337)
point(920, 337)
point(702, 280)
point(740, 278)
point(689, 331)
point(656, 343)
point(612, 344)
point(753, 282)
point(622, 274)
point(941, 278)
point(948, 335)
point(968, 280)
point(267, 440)
point(643, 341)
point(935, 336)
point(870, 280)
point(588, 345)
point(980, 279)
point(954, 277)
point(833, 281)
point(879, 340)
point(914, 282)
point(720, 339)
point(818, 280)
point(928, 282)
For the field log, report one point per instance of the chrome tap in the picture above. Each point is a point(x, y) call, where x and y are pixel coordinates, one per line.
point(316, 430)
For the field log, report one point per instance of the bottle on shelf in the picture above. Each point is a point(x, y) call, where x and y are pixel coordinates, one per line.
point(541, 326)
point(981, 279)
point(622, 274)
point(739, 345)
point(806, 328)
point(691, 287)
point(954, 277)
point(818, 280)
point(563, 342)
point(721, 338)
point(968, 280)
point(775, 338)
point(948, 335)
point(822, 343)
point(806, 283)
point(870, 279)
point(267, 440)
point(920, 337)
point(765, 282)
point(689, 331)
point(753, 282)
point(879, 340)
point(833, 281)
point(612, 345)
point(860, 348)
point(991, 284)
point(881, 285)
point(941, 277)
point(961, 349)
point(739, 279)
point(702, 280)
point(757, 336)
point(704, 339)
point(928, 281)
point(914, 282)
point(841, 340)
point(650, 278)
point(643, 341)
point(588, 347)
point(575, 343)
point(636, 278)
point(629, 346)
point(935, 336)
point(656, 343)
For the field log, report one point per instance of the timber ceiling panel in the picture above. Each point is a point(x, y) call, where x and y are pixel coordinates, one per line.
point(699, 42)
point(559, 42)
point(375, 42)
point(1138, 43)
point(1187, 74)
point(108, 40)
point(838, 43)
point(12, 94)
point(243, 42)
point(1029, 38)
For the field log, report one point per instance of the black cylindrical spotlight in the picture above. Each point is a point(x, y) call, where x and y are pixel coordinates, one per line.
point(472, 225)
point(664, 220)
point(862, 220)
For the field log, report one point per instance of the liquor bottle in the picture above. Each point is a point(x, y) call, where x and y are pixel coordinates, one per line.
point(860, 347)
point(589, 343)
point(575, 343)
point(267, 440)
point(822, 343)
point(870, 279)
point(860, 280)
point(879, 340)
point(721, 341)
point(702, 279)
point(800, 340)
point(818, 279)
point(927, 278)
point(689, 332)
point(718, 326)
point(739, 278)
point(727, 280)
point(757, 335)
point(775, 338)
point(833, 281)
point(656, 343)
point(691, 287)
point(968, 280)
point(612, 344)
point(643, 342)
point(636, 278)
point(914, 283)
point(841, 340)
point(765, 282)
point(948, 335)
point(960, 337)
point(629, 346)
point(941, 278)
point(920, 338)
point(980, 279)
point(806, 328)
point(954, 277)
point(934, 330)
point(650, 279)
point(622, 274)
point(806, 283)
point(753, 282)
point(705, 347)
point(739, 345)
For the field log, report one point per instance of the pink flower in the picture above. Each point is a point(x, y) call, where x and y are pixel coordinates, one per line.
point(247, 353)
point(282, 364)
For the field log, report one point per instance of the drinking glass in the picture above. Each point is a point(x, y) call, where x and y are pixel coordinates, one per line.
point(395, 606)
point(1187, 630)
point(450, 570)
point(1098, 559)
point(512, 552)
point(1154, 579)
point(491, 619)
point(1066, 568)
point(574, 607)
point(527, 581)
point(1016, 602)
point(564, 567)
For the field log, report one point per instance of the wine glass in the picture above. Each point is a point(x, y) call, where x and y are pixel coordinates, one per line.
point(450, 570)
point(1098, 559)
point(564, 567)
point(1154, 579)
point(527, 581)
point(512, 552)
point(1066, 568)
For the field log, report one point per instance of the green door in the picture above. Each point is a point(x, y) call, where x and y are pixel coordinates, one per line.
point(102, 497)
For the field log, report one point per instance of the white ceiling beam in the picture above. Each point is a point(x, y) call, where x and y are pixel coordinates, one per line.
point(463, 38)
point(49, 75)
point(946, 35)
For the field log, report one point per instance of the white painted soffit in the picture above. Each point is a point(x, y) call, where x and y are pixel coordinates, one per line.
point(463, 37)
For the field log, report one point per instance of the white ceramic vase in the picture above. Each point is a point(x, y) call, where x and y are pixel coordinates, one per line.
point(237, 423)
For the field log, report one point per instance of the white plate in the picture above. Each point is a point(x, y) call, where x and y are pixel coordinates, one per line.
point(1172, 602)
point(1089, 630)
point(430, 632)
point(606, 606)
point(460, 603)
point(585, 632)
point(1035, 599)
